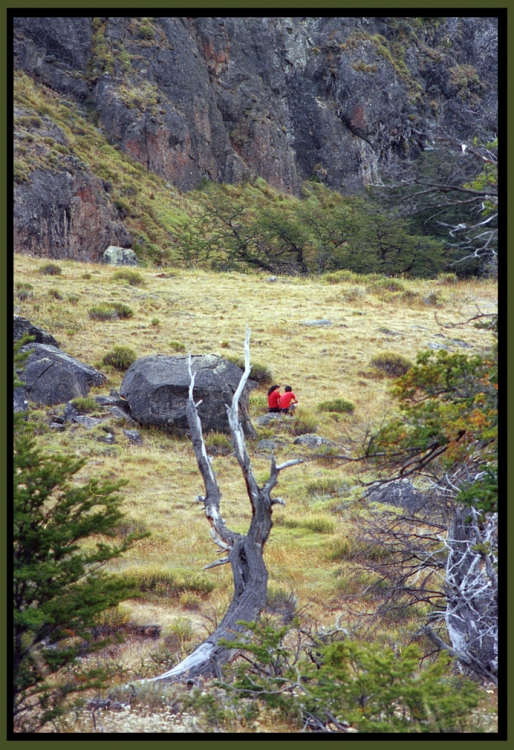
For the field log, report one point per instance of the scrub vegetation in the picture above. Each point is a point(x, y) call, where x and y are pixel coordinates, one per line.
point(325, 581)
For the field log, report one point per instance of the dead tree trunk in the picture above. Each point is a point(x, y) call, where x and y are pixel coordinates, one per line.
point(471, 591)
point(244, 553)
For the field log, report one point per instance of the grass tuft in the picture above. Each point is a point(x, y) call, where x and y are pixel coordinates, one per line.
point(337, 405)
point(50, 269)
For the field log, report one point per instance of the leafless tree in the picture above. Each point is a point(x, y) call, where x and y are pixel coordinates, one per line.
point(441, 558)
point(243, 552)
point(471, 592)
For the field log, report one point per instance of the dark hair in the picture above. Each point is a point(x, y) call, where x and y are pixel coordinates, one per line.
point(288, 388)
point(273, 388)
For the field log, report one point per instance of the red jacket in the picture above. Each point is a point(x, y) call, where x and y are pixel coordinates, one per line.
point(274, 400)
point(286, 398)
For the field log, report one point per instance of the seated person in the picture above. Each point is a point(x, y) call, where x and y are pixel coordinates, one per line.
point(274, 399)
point(288, 401)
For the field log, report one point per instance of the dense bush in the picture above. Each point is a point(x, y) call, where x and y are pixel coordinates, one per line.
point(177, 346)
point(120, 357)
point(391, 364)
point(326, 682)
point(167, 582)
point(302, 423)
point(218, 444)
point(110, 311)
point(51, 269)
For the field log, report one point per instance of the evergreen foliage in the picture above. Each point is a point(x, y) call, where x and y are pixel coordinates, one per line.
point(63, 534)
point(327, 682)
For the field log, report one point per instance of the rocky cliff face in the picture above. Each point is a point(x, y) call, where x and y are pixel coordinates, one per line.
point(287, 99)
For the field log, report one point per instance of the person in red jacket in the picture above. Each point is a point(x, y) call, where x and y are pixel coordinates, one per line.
point(288, 401)
point(274, 399)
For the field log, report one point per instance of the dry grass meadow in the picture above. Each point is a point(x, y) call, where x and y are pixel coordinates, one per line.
point(198, 311)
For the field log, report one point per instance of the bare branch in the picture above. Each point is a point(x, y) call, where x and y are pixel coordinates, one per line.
point(221, 561)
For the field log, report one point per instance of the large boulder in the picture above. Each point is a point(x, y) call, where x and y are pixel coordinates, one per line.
point(157, 389)
point(21, 326)
point(53, 377)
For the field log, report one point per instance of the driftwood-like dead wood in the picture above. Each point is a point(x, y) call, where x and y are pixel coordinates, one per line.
point(243, 552)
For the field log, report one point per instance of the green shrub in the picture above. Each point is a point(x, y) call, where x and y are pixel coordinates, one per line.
point(370, 687)
point(302, 423)
point(55, 293)
point(317, 524)
point(73, 299)
point(21, 172)
point(122, 310)
point(339, 405)
point(384, 284)
point(110, 311)
point(260, 373)
point(391, 364)
point(85, 404)
point(51, 269)
point(445, 279)
point(24, 290)
point(132, 277)
point(336, 277)
point(120, 357)
point(177, 346)
point(146, 32)
point(102, 312)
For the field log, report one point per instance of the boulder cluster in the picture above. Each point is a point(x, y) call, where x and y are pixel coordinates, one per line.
point(154, 390)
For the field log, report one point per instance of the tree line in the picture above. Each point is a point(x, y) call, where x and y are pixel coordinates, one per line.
point(438, 213)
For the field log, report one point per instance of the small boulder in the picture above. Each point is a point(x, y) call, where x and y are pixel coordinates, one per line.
point(134, 436)
point(120, 256)
point(312, 441)
point(267, 445)
point(266, 419)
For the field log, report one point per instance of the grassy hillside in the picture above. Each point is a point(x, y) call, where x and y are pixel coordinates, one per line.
point(198, 311)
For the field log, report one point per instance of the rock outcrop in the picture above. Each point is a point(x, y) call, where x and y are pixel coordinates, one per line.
point(157, 390)
point(60, 214)
point(288, 99)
